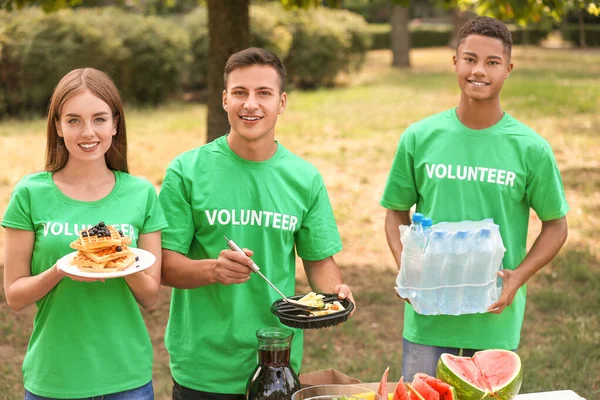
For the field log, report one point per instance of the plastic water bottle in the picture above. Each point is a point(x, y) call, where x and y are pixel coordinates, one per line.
point(455, 274)
point(415, 226)
point(433, 269)
point(483, 270)
point(426, 231)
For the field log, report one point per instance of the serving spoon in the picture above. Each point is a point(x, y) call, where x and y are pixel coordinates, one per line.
point(233, 246)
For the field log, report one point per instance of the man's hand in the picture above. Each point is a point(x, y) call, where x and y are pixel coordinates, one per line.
point(343, 291)
point(511, 283)
point(232, 267)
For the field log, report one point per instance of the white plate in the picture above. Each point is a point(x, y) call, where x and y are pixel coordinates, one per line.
point(147, 259)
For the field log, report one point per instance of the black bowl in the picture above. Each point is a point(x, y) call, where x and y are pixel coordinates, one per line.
point(301, 319)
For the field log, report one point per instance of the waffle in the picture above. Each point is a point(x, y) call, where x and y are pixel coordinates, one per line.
point(82, 261)
point(121, 263)
point(102, 248)
point(108, 253)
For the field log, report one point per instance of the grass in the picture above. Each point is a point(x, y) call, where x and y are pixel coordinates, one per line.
point(350, 134)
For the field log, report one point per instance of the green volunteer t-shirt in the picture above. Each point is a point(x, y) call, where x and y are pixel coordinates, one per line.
point(268, 207)
point(454, 173)
point(88, 338)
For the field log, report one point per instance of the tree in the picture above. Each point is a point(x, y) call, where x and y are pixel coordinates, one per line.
point(228, 32)
point(399, 34)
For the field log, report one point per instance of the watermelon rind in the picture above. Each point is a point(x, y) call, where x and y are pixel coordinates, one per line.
point(464, 389)
point(512, 387)
point(467, 391)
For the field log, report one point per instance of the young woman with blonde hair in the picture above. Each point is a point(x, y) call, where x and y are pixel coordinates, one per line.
point(89, 339)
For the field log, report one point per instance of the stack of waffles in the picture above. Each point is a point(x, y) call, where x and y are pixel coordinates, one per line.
point(102, 248)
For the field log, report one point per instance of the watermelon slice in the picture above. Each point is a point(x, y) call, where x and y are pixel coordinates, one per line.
point(413, 394)
point(490, 374)
point(445, 391)
point(424, 389)
point(400, 392)
point(382, 390)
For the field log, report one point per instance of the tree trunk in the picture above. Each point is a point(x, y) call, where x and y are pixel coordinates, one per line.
point(458, 20)
point(581, 23)
point(228, 32)
point(399, 36)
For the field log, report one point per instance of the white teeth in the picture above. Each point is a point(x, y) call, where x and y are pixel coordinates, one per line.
point(250, 118)
point(478, 83)
point(88, 145)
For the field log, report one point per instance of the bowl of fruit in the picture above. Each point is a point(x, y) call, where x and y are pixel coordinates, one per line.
point(335, 392)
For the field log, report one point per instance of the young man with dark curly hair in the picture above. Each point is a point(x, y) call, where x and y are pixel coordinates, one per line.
point(514, 170)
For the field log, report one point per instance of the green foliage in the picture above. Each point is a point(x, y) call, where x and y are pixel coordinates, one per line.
point(142, 55)
point(592, 35)
point(315, 44)
point(195, 24)
point(269, 29)
point(526, 11)
point(317, 53)
point(342, 39)
point(426, 35)
point(39, 49)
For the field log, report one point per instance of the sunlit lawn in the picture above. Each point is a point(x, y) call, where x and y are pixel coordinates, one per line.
point(350, 134)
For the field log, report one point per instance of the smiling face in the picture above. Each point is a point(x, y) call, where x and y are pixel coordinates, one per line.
point(253, 101)
point(87, 126)
point(481, 66)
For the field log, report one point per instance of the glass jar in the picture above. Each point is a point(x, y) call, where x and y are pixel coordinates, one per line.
point(273, 378)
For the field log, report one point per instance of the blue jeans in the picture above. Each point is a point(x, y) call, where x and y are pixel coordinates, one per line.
point(423, 358)
point(145, 392)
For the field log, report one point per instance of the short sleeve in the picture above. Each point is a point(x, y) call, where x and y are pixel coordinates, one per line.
point(175, 199)
point(18, 211)
point(318, 236)
point(400, 192)
point(155, 218)
point(544, 190)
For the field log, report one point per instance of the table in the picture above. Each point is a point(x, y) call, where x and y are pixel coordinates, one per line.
point(557, 395)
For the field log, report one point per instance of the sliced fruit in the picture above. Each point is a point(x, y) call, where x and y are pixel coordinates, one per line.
point(400, 392)
point(489, 374)
point(382, 390)
point(445, 391)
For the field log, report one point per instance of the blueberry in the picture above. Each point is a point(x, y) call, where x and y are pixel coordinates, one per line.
point(84, 234)
point(99, 234)
point(120, 233)
point(92, 233)
point(137, 259)
point(101, 224)
point(119, 248)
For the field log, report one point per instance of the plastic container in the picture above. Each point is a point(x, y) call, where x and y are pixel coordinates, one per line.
point(301, 319)
point(328, 392)
point(455, 272)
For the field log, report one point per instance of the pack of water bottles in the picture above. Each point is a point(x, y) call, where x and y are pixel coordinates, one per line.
point(450, 267)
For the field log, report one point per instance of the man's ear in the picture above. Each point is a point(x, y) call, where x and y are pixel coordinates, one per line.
point(509, 69)
point(224, 101)
point(454, 61)
point(282, 103)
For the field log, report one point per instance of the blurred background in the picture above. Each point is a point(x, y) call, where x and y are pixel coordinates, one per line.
point(359, 72)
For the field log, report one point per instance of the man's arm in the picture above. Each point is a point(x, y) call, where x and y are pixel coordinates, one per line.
point(546, 246)
point(325, 276)
point(181, 272)
point(393, 219)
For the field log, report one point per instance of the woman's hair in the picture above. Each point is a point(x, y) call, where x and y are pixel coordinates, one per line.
point(101, 86)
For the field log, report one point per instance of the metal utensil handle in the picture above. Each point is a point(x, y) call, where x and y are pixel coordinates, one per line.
point(233, 246)
point(273, 286)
